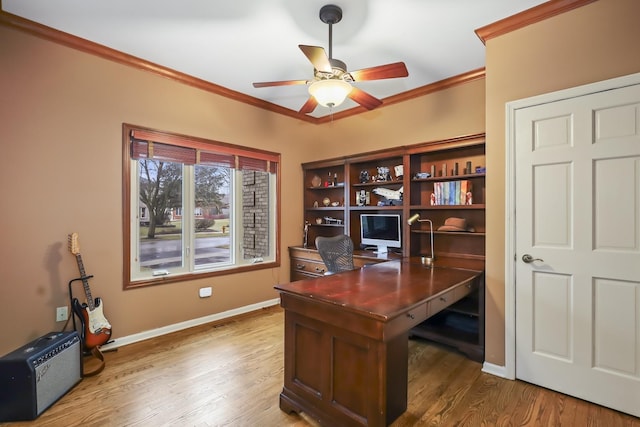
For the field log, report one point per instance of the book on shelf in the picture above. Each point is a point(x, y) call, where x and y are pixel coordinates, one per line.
point(437, 192)
point(452, 193)
point(446, 188)
point(464, 189)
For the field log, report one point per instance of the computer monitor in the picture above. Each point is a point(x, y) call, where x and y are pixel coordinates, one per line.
point(381, 230)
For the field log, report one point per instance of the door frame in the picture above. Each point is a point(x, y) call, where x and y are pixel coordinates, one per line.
point(510, 197)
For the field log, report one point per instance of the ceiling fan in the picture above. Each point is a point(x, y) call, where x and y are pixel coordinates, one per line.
point(331, 82)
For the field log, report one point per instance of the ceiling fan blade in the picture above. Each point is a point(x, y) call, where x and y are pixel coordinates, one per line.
point(280, 83)
point(309, 106)
point(363, 98)
point(318, 57)
point(388, 71)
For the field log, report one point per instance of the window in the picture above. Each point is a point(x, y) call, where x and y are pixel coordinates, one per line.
point(194, 207)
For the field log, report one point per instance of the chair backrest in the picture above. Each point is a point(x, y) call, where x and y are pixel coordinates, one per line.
point(336, 252)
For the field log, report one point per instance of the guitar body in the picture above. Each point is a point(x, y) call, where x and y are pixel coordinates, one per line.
point(96, 330)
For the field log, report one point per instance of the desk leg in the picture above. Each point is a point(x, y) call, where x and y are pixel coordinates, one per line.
point(340, 377)
point(397, 376)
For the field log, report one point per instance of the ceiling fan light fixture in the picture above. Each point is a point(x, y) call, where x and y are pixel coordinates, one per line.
point(331, 92)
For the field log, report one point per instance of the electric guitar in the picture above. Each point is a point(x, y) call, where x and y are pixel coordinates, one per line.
point(96, 330)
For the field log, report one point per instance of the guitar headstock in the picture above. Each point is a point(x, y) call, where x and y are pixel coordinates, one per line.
point(74, 245)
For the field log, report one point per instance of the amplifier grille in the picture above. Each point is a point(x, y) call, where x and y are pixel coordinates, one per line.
point(57, 375)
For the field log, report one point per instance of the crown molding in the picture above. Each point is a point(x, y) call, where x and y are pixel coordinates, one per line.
point(528, 17)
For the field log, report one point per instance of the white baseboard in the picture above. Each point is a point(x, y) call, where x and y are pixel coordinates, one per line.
point(130, 339)
point(497, 370)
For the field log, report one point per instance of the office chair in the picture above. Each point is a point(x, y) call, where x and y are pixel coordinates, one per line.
point(336, 253)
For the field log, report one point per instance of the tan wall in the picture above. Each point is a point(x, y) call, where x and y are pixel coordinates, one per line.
point(453, 112)
point(61, 117)
point(595, 42)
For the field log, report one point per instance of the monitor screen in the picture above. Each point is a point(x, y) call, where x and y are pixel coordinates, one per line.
point(381, 230)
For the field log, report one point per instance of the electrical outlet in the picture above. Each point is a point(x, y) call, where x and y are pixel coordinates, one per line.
point(62, 314)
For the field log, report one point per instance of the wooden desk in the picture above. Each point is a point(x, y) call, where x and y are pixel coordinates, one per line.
point(346, 338)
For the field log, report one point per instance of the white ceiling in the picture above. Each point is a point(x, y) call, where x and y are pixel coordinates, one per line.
point(234, 43)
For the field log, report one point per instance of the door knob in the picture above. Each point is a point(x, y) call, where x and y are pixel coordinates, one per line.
point(528, 258)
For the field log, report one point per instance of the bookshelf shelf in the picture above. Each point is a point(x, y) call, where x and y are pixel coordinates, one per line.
point(448, 207)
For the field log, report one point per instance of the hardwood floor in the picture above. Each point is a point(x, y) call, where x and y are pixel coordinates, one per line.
point(231, 374)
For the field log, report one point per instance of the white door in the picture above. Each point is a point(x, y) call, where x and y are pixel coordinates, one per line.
point(577, 214)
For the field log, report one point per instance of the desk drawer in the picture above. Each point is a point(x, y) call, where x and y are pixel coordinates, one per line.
point(407, 320)
point(445, 300)
point(308, 267)
point(466, 289)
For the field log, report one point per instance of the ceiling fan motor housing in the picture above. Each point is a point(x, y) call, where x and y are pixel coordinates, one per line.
point(336, 63)
point(339, 72)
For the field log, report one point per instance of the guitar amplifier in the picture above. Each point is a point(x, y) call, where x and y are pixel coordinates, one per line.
point(34, 376)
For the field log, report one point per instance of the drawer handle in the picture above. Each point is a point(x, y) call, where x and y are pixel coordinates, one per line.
point(300, 266)
point(320, 270)
point(443, 299)
point(411, 316)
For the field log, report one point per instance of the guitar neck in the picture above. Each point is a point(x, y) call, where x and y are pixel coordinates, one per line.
point(85, 283)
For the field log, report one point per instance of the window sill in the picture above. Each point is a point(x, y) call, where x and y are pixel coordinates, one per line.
point(161, 280)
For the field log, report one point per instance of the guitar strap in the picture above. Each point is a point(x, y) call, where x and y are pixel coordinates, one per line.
point(95, 352)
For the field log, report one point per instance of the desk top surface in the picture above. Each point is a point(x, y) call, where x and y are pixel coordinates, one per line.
point(382, 290)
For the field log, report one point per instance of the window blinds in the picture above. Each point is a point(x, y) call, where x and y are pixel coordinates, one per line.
point(147, 144)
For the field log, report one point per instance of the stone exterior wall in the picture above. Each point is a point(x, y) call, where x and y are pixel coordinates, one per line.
point(255, 213)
